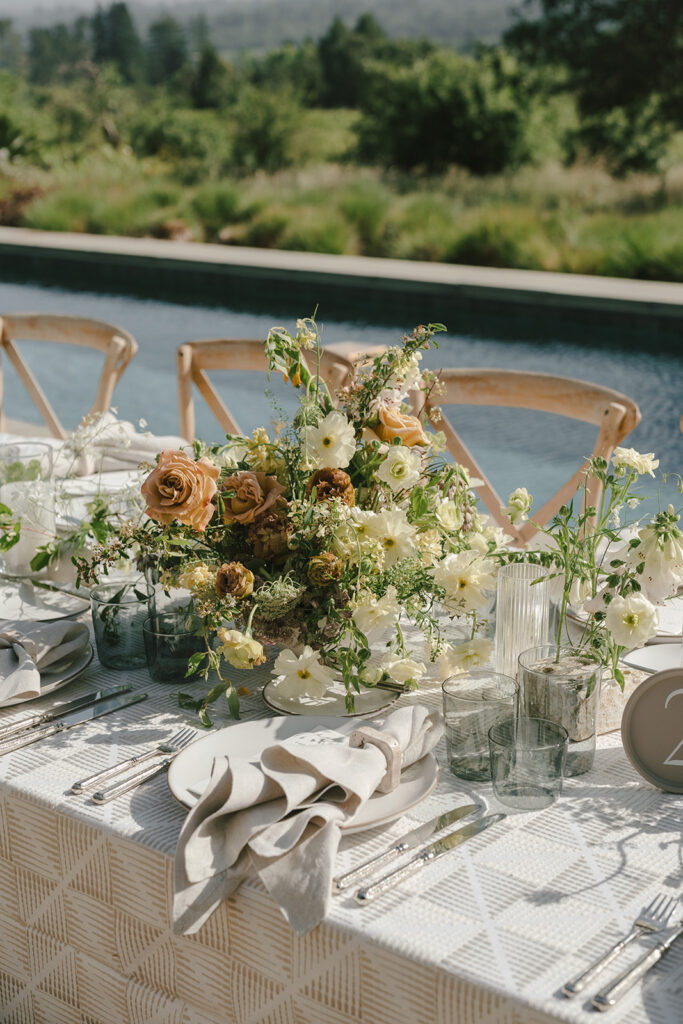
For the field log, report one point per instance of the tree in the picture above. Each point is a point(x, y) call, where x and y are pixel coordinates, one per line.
point(210, 80)
point(116, 41)
point(624, 60)
point(446, 109)
point(10, 47)
point(56, 52)
point(166, 50)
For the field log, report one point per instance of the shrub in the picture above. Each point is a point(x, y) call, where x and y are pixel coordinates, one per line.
point(365, 206)
point(262, 125)
point(504, 238)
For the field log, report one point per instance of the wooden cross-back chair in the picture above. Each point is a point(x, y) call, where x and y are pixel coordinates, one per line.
point(615, 415)
point(118, 347)
point(235, 354)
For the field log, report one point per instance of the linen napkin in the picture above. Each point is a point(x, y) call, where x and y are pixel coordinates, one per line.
point(280, 817)
point(29, 648)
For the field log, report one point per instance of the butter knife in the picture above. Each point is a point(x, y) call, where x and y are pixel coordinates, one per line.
point(41, 717)
point(606, 998)
point(437, 849)
point(104, 707)
point(409, 841)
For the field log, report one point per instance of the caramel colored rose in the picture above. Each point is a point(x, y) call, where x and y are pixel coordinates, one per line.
point(331, 483)
point(180, 488)
point(393, 423)
point(270, 536)
point(235, 580)
point(324, 569)
point(255, 494)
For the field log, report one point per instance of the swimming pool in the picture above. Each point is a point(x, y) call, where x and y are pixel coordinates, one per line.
point(646, 367)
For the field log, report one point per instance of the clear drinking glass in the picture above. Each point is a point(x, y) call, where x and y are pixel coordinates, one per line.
point(527, 762)
point(171, 638)
point(472, 703)
point(27, 489)
point(119, 609)
point(522, 612)
point(563, 687)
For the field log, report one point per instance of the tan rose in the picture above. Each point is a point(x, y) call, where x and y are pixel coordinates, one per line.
point(331, 483)
point(235, 580)
point(180, 488)
point(255, 494)
point(393, 423)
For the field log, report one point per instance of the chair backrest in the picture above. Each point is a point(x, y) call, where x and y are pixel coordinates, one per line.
point(234, 354)
point(118, 346)
point(614, 414)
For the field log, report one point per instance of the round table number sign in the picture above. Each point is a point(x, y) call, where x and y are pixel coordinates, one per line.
point(652, 730)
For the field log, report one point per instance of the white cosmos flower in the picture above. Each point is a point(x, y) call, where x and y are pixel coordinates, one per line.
point(374, 613)
point(631, 620)
point(395, 534)
point(462, 657)
point(635, 460)
point(332, 442)
point(303, 676)
point(401, 468)
point(402, 670)
point(449, 515)
point(663, 563)
point(466, 577)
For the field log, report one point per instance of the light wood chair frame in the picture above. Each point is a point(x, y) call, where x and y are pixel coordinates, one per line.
point(118, 346)
point(195, 358)
point(613, 413)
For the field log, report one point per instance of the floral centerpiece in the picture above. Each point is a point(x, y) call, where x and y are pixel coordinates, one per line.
point(325, 535)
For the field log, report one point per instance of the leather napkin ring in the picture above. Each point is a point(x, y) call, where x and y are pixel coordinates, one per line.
point(389, 746)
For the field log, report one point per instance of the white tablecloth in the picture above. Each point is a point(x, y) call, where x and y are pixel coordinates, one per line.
point(487, 934)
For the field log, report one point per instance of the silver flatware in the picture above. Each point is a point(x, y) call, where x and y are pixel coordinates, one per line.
point(449, 842)
point(173, 745)
point(41, 717)
point(105, 707)
point(612, 993)
point(409, 841)
point(133, 781)
point(653, 918)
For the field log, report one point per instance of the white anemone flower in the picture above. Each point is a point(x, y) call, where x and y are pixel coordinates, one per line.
point(395, 534)
point(401, 468)
point(303, 675)
point(475, 653)
point(467, 578)
point(632, 459)
point(631, 620)
point(662, 559)
point(402, 670)
point(332, 442)
point(375, 613)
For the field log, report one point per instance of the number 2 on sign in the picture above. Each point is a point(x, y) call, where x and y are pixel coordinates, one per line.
point(672, 759)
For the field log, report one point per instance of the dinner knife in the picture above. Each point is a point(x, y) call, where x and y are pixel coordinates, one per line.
point(80, 717)
point(409, 841)
point(437, 849)
point(608, 996)
point(41, 717)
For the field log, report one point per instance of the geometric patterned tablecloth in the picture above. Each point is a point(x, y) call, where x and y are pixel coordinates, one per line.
point(485, 935)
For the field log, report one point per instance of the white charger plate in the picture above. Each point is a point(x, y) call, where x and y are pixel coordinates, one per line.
point(368, 702)
point(189, 773)
point(21, 600)
point(656, 658)
point(56, 679)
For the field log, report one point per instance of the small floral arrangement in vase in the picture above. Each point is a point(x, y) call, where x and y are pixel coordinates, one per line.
point(609, 578)
point(343, 526)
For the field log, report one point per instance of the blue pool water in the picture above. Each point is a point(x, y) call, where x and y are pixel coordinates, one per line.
point(515, 447)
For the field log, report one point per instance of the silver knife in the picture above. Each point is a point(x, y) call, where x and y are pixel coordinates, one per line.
point(441, 846)
point(40, 717)
point(608, 996)
point(407, 842)
point(104, 707)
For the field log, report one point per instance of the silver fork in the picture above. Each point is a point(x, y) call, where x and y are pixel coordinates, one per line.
point(652, 919)
point(171, 746)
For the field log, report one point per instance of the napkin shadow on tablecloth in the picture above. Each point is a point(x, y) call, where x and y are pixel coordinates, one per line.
point(280, 818)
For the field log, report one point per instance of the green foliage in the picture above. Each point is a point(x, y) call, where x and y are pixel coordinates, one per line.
point(166, 50)
point(262, 126)
point(211, 80)
point(55, 52)
point(445, 109)
point(10, 47)
point(115, 41)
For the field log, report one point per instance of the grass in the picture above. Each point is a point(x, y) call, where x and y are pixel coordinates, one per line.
point(578, 220)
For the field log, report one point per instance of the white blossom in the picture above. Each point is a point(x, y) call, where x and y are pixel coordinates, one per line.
point(395, 533)
point(372, 613)
point(402, 670)
point(632, 459)
point(457, 658)
point(332, 442)
point(303, 675)
point(518, 506)
point(466, 577)
point(631, 620)
point(662, 558)
point(401, 468)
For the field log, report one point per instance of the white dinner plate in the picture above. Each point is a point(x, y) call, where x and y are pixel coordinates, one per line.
point(25, 601)
point(189, 773)
point(57, 678)
point(367, 702)
point(655, 658)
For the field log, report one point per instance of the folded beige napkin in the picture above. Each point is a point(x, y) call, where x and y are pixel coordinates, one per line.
point(280, 817)
point(29, 648)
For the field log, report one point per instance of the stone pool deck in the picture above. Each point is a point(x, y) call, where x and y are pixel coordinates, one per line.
point(235, 273)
